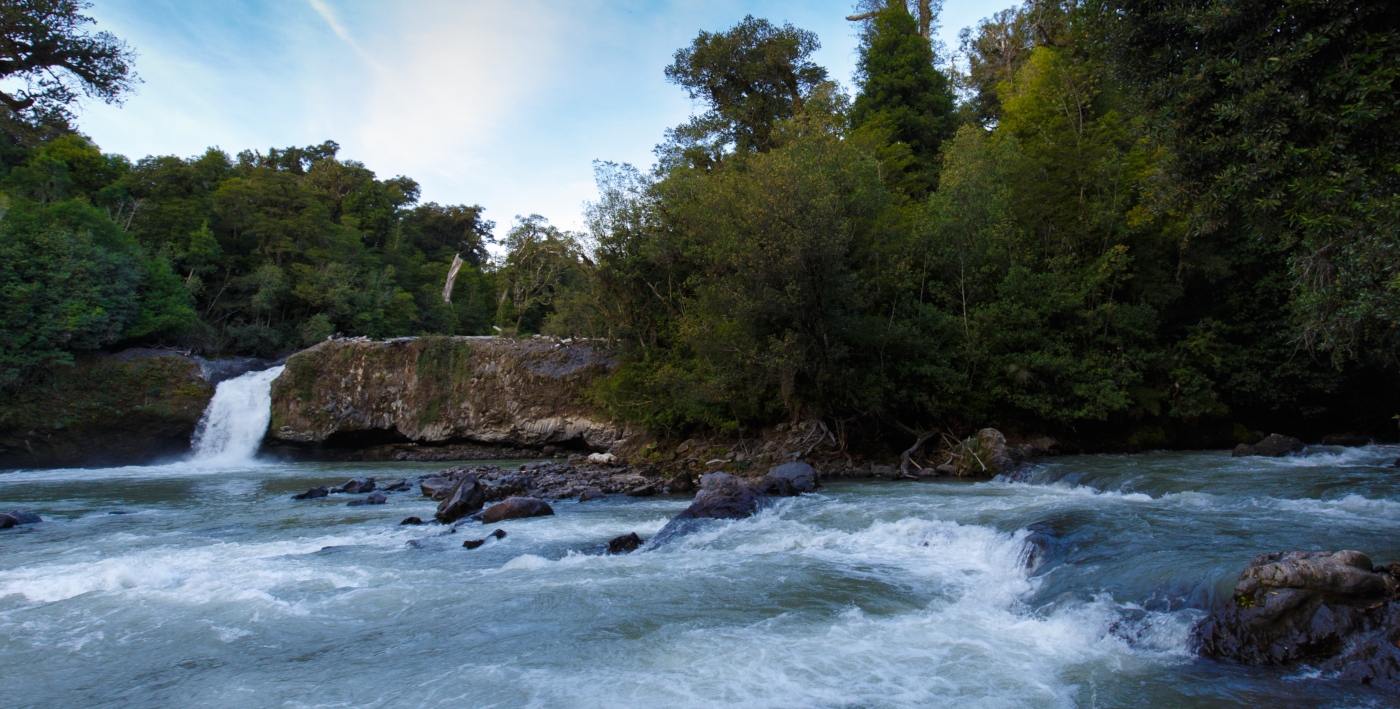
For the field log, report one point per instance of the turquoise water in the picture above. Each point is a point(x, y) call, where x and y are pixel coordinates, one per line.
point(214, 589)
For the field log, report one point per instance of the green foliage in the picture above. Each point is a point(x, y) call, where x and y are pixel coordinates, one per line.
point(902, 92)
point(751, 77)
point(1282, 117)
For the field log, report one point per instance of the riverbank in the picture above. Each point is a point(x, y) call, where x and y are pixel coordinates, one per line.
point(214, 584)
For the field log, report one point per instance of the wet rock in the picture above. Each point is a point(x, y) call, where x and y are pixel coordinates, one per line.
point(624, 544)
point(642, 491)
point(722, 496)
point(437, 488)
point(411, 520)
point(516, 508)
point(788, 480)
point(499, 534)
point(473, 543)
point(24, 517)
point(591, 493)
point(377, 498)
point(467, 497)
point(7, 522)
point(1332, 610)
point(355, 486)
point(1273, 446)
point(312, 494)
point(399, 485)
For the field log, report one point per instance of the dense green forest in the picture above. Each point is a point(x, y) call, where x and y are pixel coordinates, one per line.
point(1123, 221)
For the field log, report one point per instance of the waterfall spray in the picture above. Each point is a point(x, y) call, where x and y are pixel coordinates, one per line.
point(233, 426)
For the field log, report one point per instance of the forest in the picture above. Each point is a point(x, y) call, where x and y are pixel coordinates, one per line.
point(1135, 223)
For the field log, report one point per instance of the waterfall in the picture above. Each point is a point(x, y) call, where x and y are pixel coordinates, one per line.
point(234, 424)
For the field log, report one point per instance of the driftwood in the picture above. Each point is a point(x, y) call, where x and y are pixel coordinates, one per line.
point(451, 278)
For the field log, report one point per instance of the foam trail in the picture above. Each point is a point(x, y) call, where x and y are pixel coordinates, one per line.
point(233, 426)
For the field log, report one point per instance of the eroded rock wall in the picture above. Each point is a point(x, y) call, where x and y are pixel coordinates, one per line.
point(435, 390)
point(130, 408)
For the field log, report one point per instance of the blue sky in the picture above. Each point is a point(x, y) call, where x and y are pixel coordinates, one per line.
point(503, 104)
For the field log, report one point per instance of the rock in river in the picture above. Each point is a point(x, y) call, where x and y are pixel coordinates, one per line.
point(412, 520)
point(437, 487)
point(6, 521)
point(467, 497)
point(1332, 610)
point(24, 517)
point(516, 508)
point(355, 485)
point(624, 544)
point(377, 498)
point(1274, 446)
point(591, 493)
point(313, 493)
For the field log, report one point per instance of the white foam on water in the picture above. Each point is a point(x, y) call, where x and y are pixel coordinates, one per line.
point(974, 644)
point(236, 420)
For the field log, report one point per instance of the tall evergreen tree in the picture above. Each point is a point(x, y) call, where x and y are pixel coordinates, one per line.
point(902, 92)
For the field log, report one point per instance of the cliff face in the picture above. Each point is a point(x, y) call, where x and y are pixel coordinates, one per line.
point(435, 390)
point(126, 409)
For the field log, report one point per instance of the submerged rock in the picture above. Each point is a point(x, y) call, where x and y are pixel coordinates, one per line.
point(7, 522)
point(499, 534)
point(516, 508)
point(1332, 610)
point(473, 543)
point(399, 485)
point(624, 544)
point(355, 486)
point(313, 493)
point(23, 517)
point(1274, 446)
point(411, 520)
point(377, 498)
point(467, 497)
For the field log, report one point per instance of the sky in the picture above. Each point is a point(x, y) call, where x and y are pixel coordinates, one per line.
point(502, 104)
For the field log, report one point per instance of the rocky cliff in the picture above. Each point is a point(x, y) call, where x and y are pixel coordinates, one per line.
point(131, 408)
point(434, 391)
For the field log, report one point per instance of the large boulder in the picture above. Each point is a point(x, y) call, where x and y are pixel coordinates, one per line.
point(467, 497)
point(1332, 610)
point(788, 480)
point(1274, 446)
point(983, 455)
point(516, 508)
point(437, 488)
point(723, 496)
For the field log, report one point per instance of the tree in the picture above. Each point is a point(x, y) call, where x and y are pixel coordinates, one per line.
point(1284, 124)
point(903, 93)
point(751, 77)
point(540, 261)
point(46, 52)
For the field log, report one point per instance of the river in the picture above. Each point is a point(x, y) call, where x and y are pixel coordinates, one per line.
point(202, 584)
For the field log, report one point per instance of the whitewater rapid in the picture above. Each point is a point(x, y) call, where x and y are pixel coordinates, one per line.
point(1075, 588)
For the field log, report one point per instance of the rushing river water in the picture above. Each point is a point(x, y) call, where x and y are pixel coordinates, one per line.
point(197, 585)
point(202, 584)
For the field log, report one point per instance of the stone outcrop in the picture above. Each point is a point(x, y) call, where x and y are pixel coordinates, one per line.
point(440, 390)
point(1275, 445)
point(1332, 610)
point(516, 508)
point(983, 455)
point(549, 480)
point(105, 411)
point(725, 496)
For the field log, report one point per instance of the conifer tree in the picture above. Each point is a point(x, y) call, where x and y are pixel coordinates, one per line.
point(902, 92)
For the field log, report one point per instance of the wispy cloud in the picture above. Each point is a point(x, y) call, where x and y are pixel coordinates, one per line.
point(329, 16)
